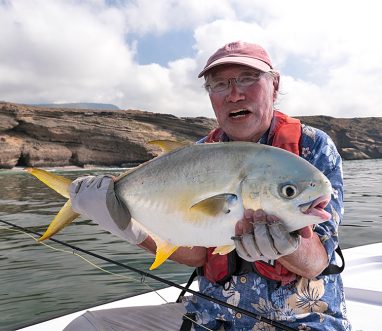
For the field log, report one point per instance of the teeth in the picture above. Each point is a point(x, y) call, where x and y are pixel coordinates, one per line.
point(237, 111)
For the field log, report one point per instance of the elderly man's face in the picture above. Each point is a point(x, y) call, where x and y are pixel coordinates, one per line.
point(244, 113)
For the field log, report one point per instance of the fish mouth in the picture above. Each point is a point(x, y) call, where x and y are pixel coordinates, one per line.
point(239, 113)
point(316, 207)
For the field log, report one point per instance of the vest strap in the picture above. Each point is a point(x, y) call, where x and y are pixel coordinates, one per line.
point(190, 280)
point(333, 268)
point(188, 319)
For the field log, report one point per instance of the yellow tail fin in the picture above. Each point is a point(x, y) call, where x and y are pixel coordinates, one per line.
point(58, 183)
point(61, 185)
point(64, 217)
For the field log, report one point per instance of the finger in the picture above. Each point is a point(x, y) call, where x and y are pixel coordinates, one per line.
point(240, 250)
point(243, 247)
point(248, 213)
point(264, 241)
point(90, 180)
point(247, 221)
point(284, 242)
point(80, 182)
point(239, 228)
point(251, 247)
point(77, 186)
point(259, 215)
point(306, 232)
point(272, 219)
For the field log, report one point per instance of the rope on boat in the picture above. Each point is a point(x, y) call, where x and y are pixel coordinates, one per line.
point(157, 278)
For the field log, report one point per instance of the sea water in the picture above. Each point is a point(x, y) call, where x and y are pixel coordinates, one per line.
point(39, 282)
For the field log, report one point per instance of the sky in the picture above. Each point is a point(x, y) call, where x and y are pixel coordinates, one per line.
point(146, 54)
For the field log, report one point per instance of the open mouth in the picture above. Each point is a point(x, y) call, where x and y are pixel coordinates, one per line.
point(316, 207)
point(239, 113)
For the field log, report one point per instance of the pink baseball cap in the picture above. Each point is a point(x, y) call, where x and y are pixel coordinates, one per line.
point(239, 52)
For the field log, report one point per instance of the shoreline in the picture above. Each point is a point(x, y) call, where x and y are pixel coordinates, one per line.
point(91, 168)
point(66, 169)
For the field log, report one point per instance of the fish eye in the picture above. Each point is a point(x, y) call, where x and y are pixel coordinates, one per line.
point(288, 191)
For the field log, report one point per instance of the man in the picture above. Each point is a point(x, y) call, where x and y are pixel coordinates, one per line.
point(272, 273)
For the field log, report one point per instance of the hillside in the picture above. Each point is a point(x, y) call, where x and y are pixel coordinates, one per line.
point(79, 105)
point(39, 136)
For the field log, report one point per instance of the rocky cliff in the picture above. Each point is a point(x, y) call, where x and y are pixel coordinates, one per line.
point(37, 136)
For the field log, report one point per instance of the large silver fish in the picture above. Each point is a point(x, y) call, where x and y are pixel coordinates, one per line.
point(194, 195)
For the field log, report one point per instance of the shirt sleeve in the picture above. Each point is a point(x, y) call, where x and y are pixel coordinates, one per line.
point(319, 149)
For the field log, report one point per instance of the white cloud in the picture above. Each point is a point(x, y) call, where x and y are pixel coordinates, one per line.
point(147, 16)
point(54, 48)
point(328, 51)
point(69, 51)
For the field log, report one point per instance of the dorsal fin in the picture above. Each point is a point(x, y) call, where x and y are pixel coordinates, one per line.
point(168, 145)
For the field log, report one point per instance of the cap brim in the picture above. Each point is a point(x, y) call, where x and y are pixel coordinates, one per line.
point(247, 61)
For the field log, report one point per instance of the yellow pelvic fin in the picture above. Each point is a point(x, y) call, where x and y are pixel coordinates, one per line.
point(164, 251)
point(213, 206)
point(58, 183)
point(223, 250)
point(64, 217)
point(168, 145)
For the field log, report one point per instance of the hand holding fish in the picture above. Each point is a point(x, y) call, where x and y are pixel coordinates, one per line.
point(94, 197)
point(263, 237)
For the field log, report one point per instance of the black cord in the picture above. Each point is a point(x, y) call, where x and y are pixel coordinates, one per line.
point(165, 281)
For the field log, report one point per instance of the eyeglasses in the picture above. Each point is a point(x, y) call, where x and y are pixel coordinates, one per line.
point(243, 80)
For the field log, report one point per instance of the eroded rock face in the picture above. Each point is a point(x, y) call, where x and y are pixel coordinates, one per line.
point(36, 136)
point(10, 150)
point(355, 138)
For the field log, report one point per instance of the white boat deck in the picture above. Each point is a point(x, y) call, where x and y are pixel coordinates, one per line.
point(362, 279)
point(362, 282)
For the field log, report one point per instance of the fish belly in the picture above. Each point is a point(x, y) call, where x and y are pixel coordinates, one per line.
point(182, 229)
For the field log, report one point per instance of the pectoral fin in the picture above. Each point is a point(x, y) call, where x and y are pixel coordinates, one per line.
point(164, 251)
point(223, 250)
point(64, 217)
point(215, 205)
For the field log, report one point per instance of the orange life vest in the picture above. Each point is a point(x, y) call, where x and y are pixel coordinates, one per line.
point(285, 133)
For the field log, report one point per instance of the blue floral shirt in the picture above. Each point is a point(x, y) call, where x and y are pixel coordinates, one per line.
point(315, 304)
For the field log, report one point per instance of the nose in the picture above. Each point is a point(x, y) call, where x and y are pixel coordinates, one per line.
point(234, 93)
